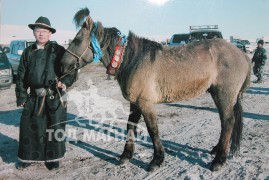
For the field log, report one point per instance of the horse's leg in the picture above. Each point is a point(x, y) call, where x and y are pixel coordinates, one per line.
point(149, 113)
point(225, 103)
point(135, 114)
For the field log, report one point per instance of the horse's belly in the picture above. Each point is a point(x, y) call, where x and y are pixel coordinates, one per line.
point(184, 91)
point(181, 95)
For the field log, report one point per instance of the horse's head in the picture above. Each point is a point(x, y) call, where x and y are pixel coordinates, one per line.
point(80, 50)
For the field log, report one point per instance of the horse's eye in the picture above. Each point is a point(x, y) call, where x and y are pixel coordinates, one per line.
point(76, 41)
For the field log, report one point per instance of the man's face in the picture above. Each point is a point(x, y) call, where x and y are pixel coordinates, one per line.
point(259, 45)
point(42, 35)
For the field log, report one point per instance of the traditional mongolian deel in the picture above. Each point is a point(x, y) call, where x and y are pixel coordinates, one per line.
point(43, 114)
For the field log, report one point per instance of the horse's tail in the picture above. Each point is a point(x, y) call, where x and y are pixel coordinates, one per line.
point(238, 126)
point(238, 114)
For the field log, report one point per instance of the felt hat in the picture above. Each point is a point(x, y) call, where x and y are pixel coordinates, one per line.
point(42, 22)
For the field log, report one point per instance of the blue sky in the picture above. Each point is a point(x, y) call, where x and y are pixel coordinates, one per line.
point(148, 18)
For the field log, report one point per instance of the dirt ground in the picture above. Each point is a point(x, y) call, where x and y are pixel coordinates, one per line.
point(97, 116)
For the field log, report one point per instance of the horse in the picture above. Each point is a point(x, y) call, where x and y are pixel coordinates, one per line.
point(149, 73)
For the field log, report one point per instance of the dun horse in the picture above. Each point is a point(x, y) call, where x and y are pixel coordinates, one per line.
point(150, 73)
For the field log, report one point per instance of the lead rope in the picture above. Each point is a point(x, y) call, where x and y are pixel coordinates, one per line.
point(61, 98)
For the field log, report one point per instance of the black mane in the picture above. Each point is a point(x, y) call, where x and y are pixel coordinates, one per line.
point(108, 42)
point(139, 47)
point(80, 17)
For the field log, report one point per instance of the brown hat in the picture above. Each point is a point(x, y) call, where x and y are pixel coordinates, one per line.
point(42, 22)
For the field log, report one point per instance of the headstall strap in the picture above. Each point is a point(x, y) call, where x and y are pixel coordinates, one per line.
point(117, 58)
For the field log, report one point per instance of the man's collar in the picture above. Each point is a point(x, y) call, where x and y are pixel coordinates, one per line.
point(42, 47)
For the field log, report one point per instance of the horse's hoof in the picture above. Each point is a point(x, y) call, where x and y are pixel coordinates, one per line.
point(153, 167)
point(123, 161)
point(216, 167)
point(214, 151)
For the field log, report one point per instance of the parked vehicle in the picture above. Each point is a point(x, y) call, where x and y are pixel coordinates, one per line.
point(164, 43)
point(6, 78)
point(250, 47)
point(198, 33)
point(179, 39)
point(240, 44)
point(16, 49)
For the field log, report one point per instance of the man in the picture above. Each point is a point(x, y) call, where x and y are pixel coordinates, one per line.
point(259, 59)
point(44, 115)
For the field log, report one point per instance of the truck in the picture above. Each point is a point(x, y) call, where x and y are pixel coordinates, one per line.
point(198, 33)
point(5, 70)
point(16, 48)
point(179, 39)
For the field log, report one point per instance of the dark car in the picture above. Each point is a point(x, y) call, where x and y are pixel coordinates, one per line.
point(6, 78)
point(179, 39)
point(198, 33)
point(240, 44)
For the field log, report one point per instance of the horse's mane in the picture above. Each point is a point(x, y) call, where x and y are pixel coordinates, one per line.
point(79, 17)
point(107, 38)
point(137, 48)
point(140, 46)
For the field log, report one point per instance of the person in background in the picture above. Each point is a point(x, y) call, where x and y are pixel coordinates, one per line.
point(259, 59)
point(43, 114)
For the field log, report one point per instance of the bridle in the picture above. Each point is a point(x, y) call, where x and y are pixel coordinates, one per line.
point(77, 64)
point(79, 58)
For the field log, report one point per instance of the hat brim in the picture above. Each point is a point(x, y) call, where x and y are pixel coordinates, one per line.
point(32, 26)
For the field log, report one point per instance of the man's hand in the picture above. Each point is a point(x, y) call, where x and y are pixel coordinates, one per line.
point(22, 105)
point(61, 85)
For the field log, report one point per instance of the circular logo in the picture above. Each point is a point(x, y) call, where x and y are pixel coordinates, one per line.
point(114, 64)
point(117, 58)
point(118, 52)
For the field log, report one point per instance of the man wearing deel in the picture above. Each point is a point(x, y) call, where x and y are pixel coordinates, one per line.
point(43, 112)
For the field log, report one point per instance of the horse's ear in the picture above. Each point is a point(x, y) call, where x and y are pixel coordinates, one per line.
point(89, 23)
point(100, 31)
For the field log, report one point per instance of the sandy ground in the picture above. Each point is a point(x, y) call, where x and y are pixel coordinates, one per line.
point(97, 115)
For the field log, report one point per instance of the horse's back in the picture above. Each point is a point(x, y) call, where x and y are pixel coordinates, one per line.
point(188, 71)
